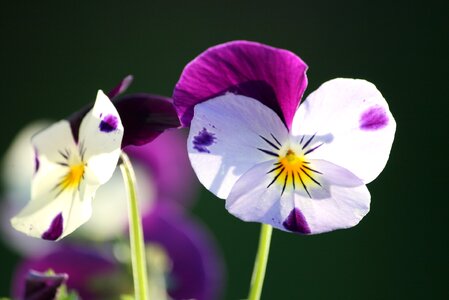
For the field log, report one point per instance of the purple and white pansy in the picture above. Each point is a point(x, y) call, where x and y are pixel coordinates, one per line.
point(74, 157)
point(300, 168)
point(69, 172)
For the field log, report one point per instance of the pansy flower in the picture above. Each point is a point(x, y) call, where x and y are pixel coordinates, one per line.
point(300, 168)
point(158, 165)
point(73, 158)
point(68, 172)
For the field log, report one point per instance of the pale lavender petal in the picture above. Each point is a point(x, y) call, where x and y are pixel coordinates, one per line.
point(275, 77)
point(196, 266)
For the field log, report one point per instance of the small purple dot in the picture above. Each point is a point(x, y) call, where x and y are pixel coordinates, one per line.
point(373, 118)
point(55, 229)
point(36, 161)
point(109, 123)
point(202, 140)
point(296, 222)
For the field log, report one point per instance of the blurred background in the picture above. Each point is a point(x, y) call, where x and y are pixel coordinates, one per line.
point(54, 56)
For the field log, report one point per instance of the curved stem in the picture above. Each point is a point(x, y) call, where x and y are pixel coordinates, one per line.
point(260, 265)
point(137, 244)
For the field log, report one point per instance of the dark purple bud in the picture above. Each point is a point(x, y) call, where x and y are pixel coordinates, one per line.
point(42, 286)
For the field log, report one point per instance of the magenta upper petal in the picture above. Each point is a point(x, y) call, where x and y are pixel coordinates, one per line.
point(275, 77)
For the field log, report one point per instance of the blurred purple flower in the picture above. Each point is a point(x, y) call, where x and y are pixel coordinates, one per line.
point(42, 286)
point(168, 164)
point(194, 265)
point(84, 266)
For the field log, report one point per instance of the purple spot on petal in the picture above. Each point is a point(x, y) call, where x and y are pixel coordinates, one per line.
point(296, 222)
point(109, 123)
point(55, 229)
point(373, 118)
point(202, 140)
point(36, 161)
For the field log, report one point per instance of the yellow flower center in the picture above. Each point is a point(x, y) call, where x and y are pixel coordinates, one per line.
point(73, 177)
point(293, 171)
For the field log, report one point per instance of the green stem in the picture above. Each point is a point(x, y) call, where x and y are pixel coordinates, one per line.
point(260, 264)
point(137, 244)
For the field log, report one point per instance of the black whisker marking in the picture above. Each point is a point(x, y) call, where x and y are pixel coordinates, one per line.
point(310, 169)
point(63, 154)
point(274, 169)
point(303, 185)
point(293, 180)
point(313, 149)
point(310, 176)
point(83, 151)
point(280, 145)
point(285, 183)
point(300, 142)
point(308, 142)
point(268, 152)
point(276, 177)
point(270, 143)
point(62, 164)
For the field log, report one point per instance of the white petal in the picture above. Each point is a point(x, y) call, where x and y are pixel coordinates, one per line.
point(340, 202)
point(224, 138)
point(100, 136)
point(252, 200)
point(52, 213)
point(19, 164)
point(352, 121)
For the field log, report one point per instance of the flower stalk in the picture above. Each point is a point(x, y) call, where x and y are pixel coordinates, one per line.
point(137, 245)
point(260, 265)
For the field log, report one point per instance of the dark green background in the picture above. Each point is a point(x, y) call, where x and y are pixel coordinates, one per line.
point(54, 57)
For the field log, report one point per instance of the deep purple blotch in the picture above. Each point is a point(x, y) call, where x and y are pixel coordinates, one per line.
point(373, 118)
point(296, 222)
point(55, 229)
point(202, 140)
point(109, 123)
point(41, 286)
point(36, 161)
